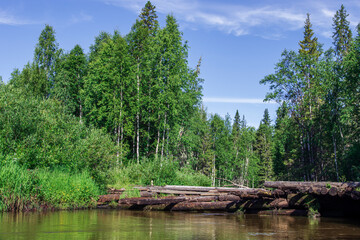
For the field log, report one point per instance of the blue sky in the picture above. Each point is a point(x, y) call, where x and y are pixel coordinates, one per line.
point(239, 41)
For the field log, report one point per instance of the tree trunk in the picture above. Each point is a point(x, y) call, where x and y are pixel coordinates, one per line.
point(335, 158)
point(158, 141)
point(163, 138)
point(138, 116)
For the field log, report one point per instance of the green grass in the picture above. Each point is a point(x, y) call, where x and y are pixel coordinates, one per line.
point(22, 189)
point(130, 193)
point(67, 190)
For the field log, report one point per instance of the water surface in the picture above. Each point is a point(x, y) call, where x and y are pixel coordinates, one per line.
point(116, 224)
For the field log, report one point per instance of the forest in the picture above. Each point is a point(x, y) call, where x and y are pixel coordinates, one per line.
point(129, 112)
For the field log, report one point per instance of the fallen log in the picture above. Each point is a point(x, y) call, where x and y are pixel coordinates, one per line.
point(115, 191)
point(233, 183)
point(152, 201)
point(263, 204)
point(205, 206)
point(200, 189)
point(348, 186)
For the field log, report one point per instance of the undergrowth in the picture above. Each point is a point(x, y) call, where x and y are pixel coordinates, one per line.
point(157, 172)
point(22, 189)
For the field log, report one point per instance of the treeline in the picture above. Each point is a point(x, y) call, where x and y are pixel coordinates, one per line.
point(130, 112)
point(138, 91)
point(316, 135)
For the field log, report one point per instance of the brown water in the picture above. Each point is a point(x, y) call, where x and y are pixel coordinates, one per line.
point(114, 224)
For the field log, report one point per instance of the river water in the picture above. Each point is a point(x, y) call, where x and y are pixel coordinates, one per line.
point(120, 224)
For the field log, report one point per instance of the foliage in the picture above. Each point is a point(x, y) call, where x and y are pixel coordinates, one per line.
point(157, 172)
point(39, 134)
point(24, 189)
point(130, 113)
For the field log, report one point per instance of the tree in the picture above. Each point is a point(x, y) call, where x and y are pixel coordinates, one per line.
point(46, 54)
point(263, 147)
point(309, 45)
point(31, 80)
point(106, 99)
point(351, 112)
point(69, 81)
point(140, 41)
point(342, 35)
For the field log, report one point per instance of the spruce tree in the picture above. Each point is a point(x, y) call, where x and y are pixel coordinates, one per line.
point(263, 147)
point(342, 34)
point(309, 45)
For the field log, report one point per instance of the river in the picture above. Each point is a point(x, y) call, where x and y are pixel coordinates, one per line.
point(120, 224)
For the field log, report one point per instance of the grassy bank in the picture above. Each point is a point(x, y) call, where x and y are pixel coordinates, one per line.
point(22, 189)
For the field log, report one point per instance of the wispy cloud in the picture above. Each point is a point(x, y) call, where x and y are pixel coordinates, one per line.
point(239, 19)
point(235, 100)
point(81, 17)
point(7, 18)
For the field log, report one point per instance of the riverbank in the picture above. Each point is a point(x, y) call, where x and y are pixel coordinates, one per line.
point(26, 190)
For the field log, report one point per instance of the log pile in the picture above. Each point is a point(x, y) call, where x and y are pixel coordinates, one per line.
point(333, 189)
point(284, 198)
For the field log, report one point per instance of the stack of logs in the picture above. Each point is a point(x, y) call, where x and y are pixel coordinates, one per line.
point(285, 198)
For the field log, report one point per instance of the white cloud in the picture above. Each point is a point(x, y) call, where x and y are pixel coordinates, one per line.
point(236, 100)
point(239, 19)
point(8, 19)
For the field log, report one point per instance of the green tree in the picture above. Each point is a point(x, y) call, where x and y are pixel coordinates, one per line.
point(31, 80)
point(263, 147)
point(309, 45)
point(47, 53)
point(107, 90)
point(140, 40)
point(69, 81)
point(342, 34)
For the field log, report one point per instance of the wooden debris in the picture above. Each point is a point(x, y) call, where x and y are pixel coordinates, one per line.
point(285, 198)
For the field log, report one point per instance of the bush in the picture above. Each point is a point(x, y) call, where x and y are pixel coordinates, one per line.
point(38, 133)
point(166, 172)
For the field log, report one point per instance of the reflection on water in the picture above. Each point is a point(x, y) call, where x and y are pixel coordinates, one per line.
point(115, 224)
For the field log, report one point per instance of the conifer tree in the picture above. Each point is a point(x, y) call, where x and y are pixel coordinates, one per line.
point(309, 45)
point(342, 35)
point(263, 147)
